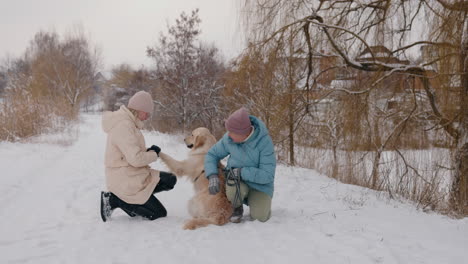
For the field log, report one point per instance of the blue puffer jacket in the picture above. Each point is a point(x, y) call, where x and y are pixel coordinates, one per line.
point(256, 157)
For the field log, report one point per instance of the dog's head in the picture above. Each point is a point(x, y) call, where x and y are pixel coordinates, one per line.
point(201, 138)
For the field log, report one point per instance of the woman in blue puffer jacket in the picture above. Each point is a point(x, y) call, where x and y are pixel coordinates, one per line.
point(251, 164)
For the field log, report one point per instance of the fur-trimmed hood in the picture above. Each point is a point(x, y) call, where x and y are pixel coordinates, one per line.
point(111, 119)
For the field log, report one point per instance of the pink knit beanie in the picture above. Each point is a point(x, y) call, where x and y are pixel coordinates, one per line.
point(141, 101)
point(239, 122)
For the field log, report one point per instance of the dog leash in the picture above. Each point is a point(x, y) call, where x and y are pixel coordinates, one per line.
point(232, 181)
point(203, 171)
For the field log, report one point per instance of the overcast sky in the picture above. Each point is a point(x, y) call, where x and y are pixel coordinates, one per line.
point(122, 29)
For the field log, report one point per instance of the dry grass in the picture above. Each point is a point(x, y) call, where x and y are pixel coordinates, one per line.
point(22, 116)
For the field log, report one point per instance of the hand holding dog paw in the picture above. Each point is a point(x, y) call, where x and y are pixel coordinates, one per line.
point(155, 149)
point(213, 186)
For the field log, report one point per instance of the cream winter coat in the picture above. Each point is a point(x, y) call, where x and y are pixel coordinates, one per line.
point(127, 172)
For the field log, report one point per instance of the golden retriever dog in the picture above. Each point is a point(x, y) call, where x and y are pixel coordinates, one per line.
point(205, 209)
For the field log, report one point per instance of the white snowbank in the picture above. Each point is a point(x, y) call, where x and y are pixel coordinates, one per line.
point(49, 198)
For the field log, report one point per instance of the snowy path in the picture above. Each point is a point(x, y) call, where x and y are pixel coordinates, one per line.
point(49, 213)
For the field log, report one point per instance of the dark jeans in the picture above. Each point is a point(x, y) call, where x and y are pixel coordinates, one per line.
point(153, 208)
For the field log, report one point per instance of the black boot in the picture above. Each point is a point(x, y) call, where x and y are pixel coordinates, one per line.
point(130, 213)
point(236, 216)
point(106, 208)
point(116, 202)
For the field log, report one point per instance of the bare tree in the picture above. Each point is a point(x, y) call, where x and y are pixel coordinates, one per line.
point(187, 74)
point(47, 84)
point(269, 81)
point(63, 69)
point(124, 83)
point(209, 86)
point(352, 26)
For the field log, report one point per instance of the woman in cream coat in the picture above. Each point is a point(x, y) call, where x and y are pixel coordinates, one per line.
point(130, 180)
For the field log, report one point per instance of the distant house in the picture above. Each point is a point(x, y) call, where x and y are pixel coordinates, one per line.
point(379, 54)
point(114, 97)
point(99, 82)
point(330, 73)
point(390, 97)
point(93, 101)
point(391, 89)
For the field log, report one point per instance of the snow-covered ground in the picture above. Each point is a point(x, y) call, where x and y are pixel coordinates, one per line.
point(431, 165)
point(49, 196)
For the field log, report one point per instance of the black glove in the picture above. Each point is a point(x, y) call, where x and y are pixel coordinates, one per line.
point(213, 186)
point(155, 149)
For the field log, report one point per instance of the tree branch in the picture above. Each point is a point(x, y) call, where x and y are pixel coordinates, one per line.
point(455, 5)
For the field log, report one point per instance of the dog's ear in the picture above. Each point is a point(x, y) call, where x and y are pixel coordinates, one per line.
point(199, 141)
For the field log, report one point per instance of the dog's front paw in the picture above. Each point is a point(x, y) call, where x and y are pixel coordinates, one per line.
point(162, 155)
point(190, 225)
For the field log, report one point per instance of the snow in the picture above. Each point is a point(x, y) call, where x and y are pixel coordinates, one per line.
point(391, 167)
point(50, 214)
point(342, 83)
point(368, 55)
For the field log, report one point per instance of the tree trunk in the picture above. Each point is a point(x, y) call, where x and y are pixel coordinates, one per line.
point(459, 192)
point(291, 122)
point(375, 170)
point(291, 141)
point(291, 106)
point(335, 162)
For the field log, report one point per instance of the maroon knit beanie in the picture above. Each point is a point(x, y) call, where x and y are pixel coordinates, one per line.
point(239, 122)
